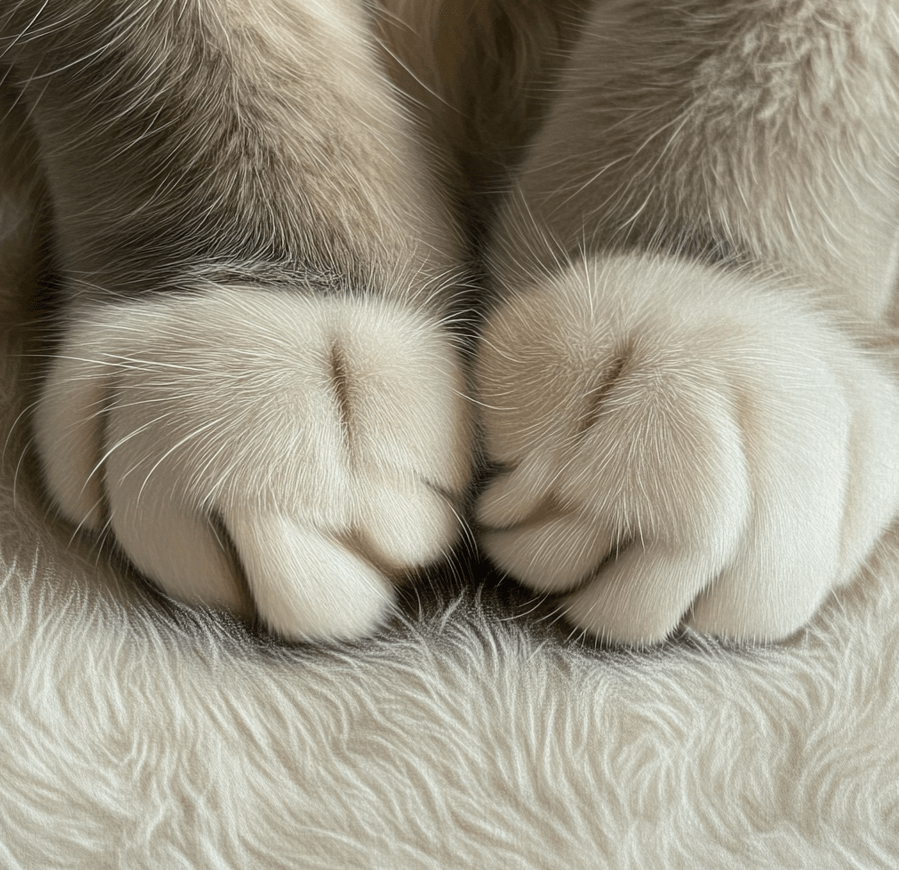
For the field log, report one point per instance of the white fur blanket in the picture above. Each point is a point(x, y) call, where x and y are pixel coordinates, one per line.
point(136, 734)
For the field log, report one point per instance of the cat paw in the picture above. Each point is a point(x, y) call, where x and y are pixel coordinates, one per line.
point(308, 451)
point(679, 445)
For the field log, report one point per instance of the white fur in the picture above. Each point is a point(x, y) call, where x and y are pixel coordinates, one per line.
point(135, 737)
point(727, 438)
point(328, 435)
point(711, 426)
point(732, 433)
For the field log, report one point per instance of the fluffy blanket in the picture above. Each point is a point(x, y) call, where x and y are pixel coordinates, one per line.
point(472, 733)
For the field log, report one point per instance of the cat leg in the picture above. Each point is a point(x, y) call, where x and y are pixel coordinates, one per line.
point(256, 377)
point(675, 386)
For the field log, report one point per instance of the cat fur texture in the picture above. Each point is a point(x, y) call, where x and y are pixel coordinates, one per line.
point(690, 241)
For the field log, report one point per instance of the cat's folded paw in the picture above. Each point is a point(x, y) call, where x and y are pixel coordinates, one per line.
point(314, 446)
point(678, 445)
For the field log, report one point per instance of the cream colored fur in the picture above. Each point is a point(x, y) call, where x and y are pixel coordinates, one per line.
point(307, 443)
point(698, 435)
point(676, 375)
point(734, 434)
point(319, 427)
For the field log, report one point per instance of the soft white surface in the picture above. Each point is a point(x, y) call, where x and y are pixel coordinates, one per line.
point(136, 736)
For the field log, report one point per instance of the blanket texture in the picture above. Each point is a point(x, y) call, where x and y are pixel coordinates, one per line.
point(473, 732)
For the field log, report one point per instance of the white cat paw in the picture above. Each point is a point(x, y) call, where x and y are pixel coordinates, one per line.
point(327, 437)
point(678, 446)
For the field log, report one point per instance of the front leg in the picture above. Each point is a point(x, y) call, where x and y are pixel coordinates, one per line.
point(675, 380)
point(254, 346)
point(756, 134)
